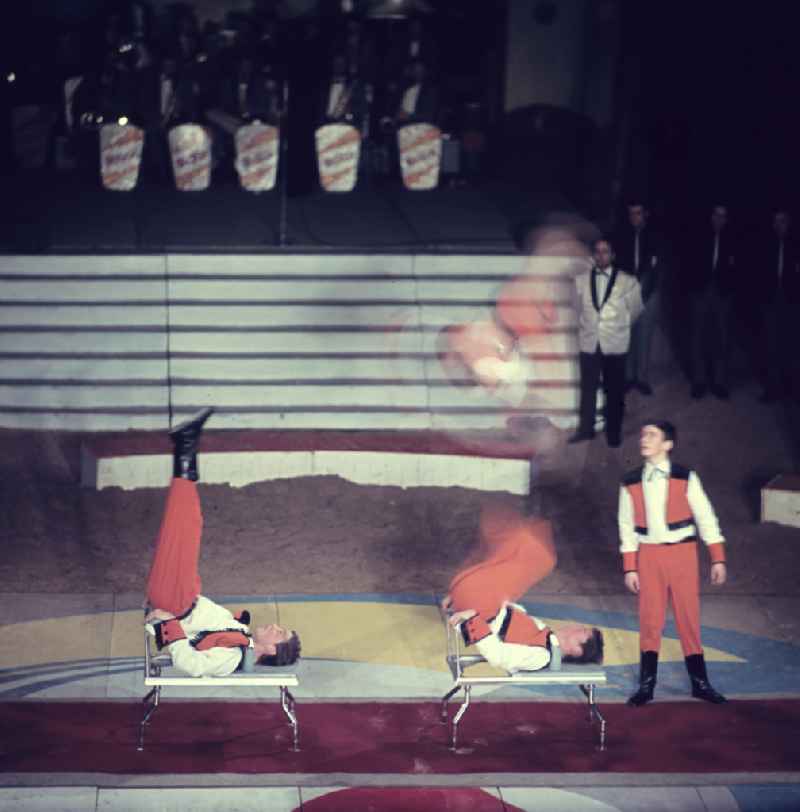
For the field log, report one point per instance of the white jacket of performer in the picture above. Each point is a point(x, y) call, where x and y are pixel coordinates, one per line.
point(607, 318)
point(218, 661)
point(513, 657)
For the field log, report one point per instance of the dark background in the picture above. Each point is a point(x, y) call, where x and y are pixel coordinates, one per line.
point(704, 107)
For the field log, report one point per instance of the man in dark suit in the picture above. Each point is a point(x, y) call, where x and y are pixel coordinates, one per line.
point(343, 99)
point(168, 97)
point(417, 100)
point(711, 285)
point(415, 43)
point(640, 252)
point(778, 296)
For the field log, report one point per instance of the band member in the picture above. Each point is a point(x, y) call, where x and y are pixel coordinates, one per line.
point(662, 510)
point(416, 101)
point(203, 638)
point(344, 98)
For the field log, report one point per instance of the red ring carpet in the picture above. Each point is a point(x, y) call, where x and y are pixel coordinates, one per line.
point(495, 737)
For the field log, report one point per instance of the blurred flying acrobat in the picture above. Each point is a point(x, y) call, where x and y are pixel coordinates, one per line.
point(489, 355)
point(515, 553)
point(495, 355)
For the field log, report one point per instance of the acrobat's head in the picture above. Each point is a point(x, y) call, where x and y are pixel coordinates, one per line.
point(580, 644)
point(657, 439)
point(275, 645)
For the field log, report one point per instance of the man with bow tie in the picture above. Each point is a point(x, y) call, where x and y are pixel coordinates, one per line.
point(608, 302)
point(662, 510)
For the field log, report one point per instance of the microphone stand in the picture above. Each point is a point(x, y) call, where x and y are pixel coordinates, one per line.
point(284, 168)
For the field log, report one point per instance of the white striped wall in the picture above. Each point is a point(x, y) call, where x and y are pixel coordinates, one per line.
point(304, 341)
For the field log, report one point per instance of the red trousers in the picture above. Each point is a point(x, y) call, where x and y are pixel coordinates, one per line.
point(669, 571)
point(515, 554)
point(174, 582)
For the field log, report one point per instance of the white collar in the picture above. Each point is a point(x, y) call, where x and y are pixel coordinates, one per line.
point(664, 467)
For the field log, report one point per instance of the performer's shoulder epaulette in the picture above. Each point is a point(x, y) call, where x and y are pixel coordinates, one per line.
point(679, 471)
point(632, 477)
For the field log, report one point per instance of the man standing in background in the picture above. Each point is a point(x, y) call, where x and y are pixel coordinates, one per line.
point(639, 251)
point(778, 294)
point(608, 302)
point(712, 285)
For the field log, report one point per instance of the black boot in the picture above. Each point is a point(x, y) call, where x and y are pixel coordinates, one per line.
point(701, 687)
point(648, 668)
point(184, 438)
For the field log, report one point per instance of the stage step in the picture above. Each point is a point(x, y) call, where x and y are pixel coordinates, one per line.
point(110, 343)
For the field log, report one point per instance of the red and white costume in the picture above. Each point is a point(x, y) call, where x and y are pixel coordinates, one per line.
point(204, 639)
point(662, 510)
point(516, 554)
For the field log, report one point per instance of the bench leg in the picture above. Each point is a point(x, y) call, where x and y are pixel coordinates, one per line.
point(288, 703)
point(445, 699)
point(594, 713)
point(155, 696)
point(457, 718)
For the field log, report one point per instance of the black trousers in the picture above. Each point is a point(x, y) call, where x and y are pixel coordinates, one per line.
point(712, 326)
point(593, 365)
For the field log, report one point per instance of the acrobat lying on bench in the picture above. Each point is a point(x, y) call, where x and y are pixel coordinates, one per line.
point(479, 609)
point(159, 672)
point(204, 642)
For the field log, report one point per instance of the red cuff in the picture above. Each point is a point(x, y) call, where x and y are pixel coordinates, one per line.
point(717, 552)
point(168, 632)
point(630, 561)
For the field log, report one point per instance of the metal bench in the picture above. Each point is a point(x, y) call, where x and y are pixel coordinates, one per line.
point(586, 677)
point(155, 679)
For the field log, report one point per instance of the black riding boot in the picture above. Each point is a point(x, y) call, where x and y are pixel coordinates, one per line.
point(648, 668)
point(185, 438)
point(701, 687)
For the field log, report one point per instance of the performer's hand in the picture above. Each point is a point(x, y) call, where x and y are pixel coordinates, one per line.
point(159, 614)
point(632, 582)
point(446, 603)
point(719, 573)
point(460, 617)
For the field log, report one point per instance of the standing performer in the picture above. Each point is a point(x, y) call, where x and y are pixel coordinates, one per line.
point(203, 638)
point(662, 510)
point(516, 554)
point(608, 302)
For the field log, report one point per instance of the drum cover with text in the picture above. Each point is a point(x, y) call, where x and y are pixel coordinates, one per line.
point(257, 156)
point(338, 151)
point(120, 156)
point(420, 148)
point(190, 150)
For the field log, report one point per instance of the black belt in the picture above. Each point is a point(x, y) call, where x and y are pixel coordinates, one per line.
point(177, 617)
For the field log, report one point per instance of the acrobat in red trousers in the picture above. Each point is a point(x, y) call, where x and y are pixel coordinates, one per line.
point(174, 580)
point(515, 554)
